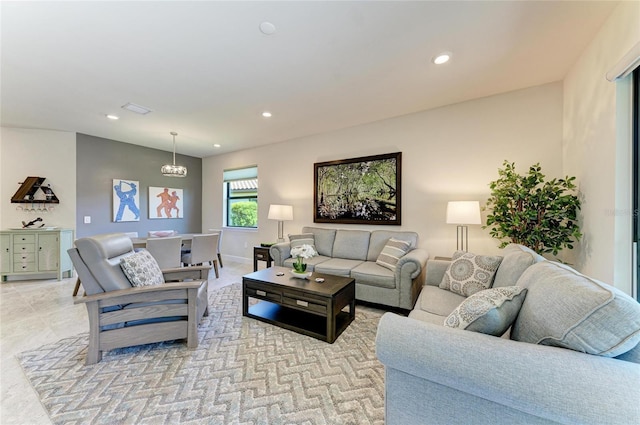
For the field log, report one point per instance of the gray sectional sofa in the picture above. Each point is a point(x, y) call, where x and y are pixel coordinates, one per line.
point(354, 253)
point(538, 372)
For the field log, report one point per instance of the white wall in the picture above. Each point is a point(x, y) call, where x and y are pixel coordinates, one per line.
point(39, 153)
point(593, 154)
point(449, 153)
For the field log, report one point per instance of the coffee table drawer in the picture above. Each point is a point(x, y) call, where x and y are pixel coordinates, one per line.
point(304, 303)
point(264, 292)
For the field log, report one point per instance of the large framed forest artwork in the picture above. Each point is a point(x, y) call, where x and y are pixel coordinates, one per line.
point(363, 190)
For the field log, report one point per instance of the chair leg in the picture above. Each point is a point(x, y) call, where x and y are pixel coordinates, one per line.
point(220, 260)
point(215, 268)
point(77, 288)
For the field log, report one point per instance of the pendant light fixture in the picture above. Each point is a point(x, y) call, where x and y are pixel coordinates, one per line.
point(174, 170)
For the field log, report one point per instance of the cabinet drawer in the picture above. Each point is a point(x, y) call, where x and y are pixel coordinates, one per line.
point(24, 267)
point(25, 257)
point(263, 292)
point(24, 239)
point(305, 304)
point(23, 247)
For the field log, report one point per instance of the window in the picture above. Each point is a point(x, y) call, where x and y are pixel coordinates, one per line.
point(241, 197)
point(636, 176)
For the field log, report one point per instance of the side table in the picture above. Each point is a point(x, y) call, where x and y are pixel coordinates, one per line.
point(261, 253)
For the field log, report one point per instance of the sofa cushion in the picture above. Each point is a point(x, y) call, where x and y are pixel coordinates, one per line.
point(566, 309)
point(370, 273)
point(302, 239)
point(311, 262)
point(337, 266)
point(469, 273)
point(438, 301)
point(392, 252)
point(323, 238)
point(379, 239)
point(515, 261)
point(142, 269)
point(351, 244)
point(490, 312)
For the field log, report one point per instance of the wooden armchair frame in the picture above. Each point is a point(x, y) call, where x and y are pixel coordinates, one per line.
point(117, 328)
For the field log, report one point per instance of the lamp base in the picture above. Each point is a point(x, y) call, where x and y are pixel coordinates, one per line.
point(462, 238)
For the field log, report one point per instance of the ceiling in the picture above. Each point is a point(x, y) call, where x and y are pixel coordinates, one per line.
point(207, 72)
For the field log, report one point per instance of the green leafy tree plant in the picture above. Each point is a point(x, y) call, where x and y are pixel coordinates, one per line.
point(525, 209)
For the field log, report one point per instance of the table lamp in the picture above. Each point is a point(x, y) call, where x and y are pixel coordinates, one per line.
point(463, 213)
point(281, 213)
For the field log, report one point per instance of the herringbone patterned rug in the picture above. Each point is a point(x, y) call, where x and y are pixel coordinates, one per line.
point(243, 372)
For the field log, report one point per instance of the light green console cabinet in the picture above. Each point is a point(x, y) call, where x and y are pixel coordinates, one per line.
point(34, 252)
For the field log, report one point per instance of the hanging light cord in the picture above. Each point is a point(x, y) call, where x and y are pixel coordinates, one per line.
point(174, 134)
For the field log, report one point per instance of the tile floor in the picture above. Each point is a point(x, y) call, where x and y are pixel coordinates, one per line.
point(38, 312)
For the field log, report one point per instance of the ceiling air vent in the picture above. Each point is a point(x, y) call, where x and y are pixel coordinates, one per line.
point(136, 108)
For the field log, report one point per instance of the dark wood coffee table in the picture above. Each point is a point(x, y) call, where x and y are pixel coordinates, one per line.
point(301, 305)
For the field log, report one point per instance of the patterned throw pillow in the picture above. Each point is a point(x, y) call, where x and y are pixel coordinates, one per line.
point(469, 273)
point(392, 252)
point(302, 239)
point(142, 269)
point(490, 311)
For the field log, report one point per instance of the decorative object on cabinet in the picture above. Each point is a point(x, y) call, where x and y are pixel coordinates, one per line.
point(126, 200)
point(168, 203)
point(28, 189)
point(35, 252)
point(365, 190)
point(26, 225)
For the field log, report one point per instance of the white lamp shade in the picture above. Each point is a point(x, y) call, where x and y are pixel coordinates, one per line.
point(463, 212)
point(281, 212)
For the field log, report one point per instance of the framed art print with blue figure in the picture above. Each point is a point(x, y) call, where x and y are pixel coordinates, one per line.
point(126, 200)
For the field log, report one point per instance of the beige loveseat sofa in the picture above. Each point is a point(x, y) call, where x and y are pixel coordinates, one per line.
point(354, 253)
point(572, 355)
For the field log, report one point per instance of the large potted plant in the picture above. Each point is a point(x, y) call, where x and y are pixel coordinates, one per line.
point(525, 209)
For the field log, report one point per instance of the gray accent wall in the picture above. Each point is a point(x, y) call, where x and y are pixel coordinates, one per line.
point(99, 161)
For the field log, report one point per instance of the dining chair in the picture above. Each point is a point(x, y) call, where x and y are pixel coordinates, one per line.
point(166, 251)
point(204, 249)
point(218, 231)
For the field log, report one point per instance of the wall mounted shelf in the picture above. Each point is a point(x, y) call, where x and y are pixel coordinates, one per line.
point(28, 189)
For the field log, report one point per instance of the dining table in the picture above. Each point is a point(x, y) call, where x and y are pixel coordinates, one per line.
point(141, 242)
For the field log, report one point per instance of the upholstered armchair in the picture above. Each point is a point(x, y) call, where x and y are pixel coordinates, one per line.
point(123, 315)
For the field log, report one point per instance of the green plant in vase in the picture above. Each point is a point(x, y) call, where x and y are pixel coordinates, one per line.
point(530, 211)
point(302, 252)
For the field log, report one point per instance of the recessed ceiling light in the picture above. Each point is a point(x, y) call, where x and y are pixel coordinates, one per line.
point(442, 58)
point(136, 108)
point(216, 145)
point(267, 28)
point(266, 114)
point(112, 117)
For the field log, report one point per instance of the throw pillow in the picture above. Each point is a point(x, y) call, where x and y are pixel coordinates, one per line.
point(567, 309)
point(490, 311)
point(142, 269)
point(302, 239)
point(392, 252)
point(469, 273)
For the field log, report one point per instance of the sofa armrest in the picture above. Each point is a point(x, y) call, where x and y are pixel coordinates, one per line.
point(435, 271)
point(413, 263)
point(409, 276)
point(554, 383)
point(280, 252)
